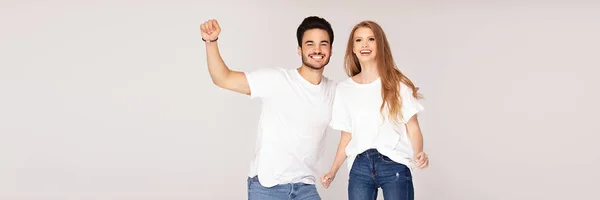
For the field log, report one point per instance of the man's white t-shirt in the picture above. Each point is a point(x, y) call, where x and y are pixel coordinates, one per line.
point(356, 110)
point(292, 125)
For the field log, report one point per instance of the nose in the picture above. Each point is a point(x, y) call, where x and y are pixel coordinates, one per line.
point(364, 44)
point(318, 49)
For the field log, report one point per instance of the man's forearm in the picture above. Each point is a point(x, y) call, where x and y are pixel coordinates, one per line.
point(216, 66)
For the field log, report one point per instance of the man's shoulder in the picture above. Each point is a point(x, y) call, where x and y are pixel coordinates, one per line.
point(266, 73)
point(328, 81)
point(269, 70)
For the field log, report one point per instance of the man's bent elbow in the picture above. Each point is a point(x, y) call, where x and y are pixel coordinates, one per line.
point(219, 80)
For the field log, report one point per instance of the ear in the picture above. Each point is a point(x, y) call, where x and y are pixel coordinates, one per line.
point(299, 51)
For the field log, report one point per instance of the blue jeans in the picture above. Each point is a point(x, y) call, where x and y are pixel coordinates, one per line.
point(292, 191)
point(372, 170)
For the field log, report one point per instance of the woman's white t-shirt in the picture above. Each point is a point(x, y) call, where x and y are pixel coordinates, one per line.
point(356, 110)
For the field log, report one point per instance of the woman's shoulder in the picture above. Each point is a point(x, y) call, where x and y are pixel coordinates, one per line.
point(345, 83)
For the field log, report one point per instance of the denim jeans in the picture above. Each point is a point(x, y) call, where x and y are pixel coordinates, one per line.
point(292, 191)
point(372, 170)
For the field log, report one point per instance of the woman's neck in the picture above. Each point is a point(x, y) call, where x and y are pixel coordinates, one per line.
point(368, 73)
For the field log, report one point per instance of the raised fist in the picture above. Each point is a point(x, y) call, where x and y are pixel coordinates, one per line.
point(210, 30)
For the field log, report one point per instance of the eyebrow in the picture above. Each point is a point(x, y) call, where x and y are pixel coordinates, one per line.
point(310, 41)
point(370, 36)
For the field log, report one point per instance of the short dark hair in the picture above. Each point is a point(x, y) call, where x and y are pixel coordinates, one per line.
point(313, 22)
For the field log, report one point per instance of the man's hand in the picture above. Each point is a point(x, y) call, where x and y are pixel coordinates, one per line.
point(210, 30)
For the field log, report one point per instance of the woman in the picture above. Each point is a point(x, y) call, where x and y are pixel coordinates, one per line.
point(381, 139)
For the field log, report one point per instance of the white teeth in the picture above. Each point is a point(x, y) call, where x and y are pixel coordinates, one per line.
point(365, 51)
point(317, 57)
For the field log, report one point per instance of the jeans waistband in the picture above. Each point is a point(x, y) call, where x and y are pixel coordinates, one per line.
point(370, 152)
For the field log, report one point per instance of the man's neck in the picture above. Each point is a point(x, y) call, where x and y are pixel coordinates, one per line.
point(311, 75)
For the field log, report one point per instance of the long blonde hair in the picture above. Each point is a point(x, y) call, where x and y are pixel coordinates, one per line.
point(389, 74)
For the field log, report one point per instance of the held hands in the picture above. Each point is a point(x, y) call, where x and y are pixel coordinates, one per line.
point(210, 30)
point(422, 160)
point(326, 179)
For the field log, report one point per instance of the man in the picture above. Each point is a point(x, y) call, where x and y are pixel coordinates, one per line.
point(296, 110)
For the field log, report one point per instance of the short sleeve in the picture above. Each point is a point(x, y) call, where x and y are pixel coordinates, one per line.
point(262, 82)
point(340, 118)
point(410, 105)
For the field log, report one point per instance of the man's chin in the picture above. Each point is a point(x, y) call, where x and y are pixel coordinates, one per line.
point(317, 67)
point(314, 65)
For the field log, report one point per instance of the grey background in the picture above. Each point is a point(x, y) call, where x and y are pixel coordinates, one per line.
point(112, 99)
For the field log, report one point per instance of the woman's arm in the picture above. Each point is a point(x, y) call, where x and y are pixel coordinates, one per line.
point(416, 139)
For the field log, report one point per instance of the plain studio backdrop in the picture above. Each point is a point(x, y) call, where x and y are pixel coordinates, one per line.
point(113, 100)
